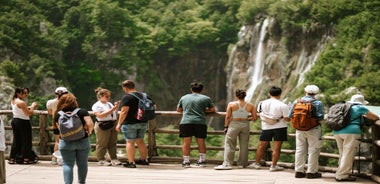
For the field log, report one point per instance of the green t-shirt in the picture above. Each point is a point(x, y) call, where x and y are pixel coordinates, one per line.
point(194, 108)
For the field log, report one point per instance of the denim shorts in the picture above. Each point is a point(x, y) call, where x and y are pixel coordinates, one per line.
point(134, 131)
point(277, 134)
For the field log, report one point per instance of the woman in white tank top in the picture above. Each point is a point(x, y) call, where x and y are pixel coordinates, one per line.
point(22, 129)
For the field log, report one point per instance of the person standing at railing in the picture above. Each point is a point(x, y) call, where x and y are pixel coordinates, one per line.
point(2, 149)
point(106, 135)
point(348, 138)
point(309, 142)
point(74, 151)
point(22, 128)
point(51, 106)
point(236, 126)
point(133, 129)
point(194, 107)
point(273, 114)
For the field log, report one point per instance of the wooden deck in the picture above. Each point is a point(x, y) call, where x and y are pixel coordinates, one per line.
point(44, 173)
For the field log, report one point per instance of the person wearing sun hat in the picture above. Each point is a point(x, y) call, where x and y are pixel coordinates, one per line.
point(51, 106)
point(347, 138)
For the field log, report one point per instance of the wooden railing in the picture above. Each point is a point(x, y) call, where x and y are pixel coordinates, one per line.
point(45, 143)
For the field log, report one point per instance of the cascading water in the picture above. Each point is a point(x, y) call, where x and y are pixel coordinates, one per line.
point(257, 69)
point(303, 66)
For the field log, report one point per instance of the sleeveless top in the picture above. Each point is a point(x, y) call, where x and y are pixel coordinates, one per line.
point(241, 112)
point(18, 113)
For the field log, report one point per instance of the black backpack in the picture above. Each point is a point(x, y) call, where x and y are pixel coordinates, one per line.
point(145, 109)
point(338, 116)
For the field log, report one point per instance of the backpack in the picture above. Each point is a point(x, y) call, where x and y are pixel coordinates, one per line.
point(145, 109)
point(338, 116)
point(302, 118)
point(70, 126)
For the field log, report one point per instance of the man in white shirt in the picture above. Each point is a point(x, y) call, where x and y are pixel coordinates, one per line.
point(273, 114)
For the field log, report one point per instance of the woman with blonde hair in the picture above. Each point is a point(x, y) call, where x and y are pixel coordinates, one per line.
point(74, 151)
point(106, 134)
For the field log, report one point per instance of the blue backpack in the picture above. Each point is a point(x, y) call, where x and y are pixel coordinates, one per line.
point(145, 109)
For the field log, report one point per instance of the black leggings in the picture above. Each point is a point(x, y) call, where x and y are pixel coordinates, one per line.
point(22, 139)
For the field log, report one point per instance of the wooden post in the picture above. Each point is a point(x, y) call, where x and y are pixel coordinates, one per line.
point(375, 148)
point(152, 149)
point(43, 134)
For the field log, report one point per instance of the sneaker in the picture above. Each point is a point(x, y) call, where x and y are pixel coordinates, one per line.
point(223, 167)
point(54, 162)
point(300, 174)
point(275, 168)
point(255, 166)
point(350, 178)
point(141, 162)
point(186, 164)
point(129, 165)
point(104, 163)
point(313, 175)
point(115, 162)
point(201, 163)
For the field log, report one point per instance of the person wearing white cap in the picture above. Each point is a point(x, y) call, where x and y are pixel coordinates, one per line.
point(309, 142)
point(347, 138)
point(51, 106)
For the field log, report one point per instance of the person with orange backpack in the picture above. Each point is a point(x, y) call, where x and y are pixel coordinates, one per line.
point(305, 114)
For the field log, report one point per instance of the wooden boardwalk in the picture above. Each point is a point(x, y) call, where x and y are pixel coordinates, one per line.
point(44, 173)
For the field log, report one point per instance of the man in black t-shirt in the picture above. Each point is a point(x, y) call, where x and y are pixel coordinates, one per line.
point(132, 128)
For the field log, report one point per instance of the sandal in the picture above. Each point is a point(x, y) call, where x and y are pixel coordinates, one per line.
point(11, 161)
point(27, 161)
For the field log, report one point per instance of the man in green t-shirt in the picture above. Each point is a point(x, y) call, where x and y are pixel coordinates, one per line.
point(194, 107)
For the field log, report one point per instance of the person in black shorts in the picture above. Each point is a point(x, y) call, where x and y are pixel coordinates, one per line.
point(194, 107)
point(273, 114)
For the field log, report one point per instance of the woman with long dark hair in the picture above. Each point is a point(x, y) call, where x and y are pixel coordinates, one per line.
point(22, 128)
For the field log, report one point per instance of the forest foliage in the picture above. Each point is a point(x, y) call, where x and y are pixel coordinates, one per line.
point(90, 43)
point(83, 44)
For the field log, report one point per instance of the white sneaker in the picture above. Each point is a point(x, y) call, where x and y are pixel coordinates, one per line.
point(115, 162)
point(255, 166)
point(104, 163)
point(223, 167)
point(275, 168)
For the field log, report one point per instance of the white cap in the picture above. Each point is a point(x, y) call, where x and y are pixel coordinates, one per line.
point(358, 99)
point(312, 89)
point(61, 90)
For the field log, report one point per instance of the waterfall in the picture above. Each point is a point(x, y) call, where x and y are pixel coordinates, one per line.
point(304, 64)
point(257, 69)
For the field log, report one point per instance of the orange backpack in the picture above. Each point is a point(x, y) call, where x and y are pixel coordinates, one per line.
point(302, 118)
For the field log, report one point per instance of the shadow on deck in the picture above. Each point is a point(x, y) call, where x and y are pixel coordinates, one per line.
point(44, 173)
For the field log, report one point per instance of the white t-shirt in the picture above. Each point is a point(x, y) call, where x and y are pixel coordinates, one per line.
point(276, 109)
point(101, 107)
point(52, 104)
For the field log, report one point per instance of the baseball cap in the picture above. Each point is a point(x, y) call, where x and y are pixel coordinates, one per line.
point(61, 90)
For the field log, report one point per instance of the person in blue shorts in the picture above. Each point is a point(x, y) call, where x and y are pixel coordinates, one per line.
point(132, 128)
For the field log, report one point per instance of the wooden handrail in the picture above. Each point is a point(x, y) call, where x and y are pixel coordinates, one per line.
point(46, 142)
